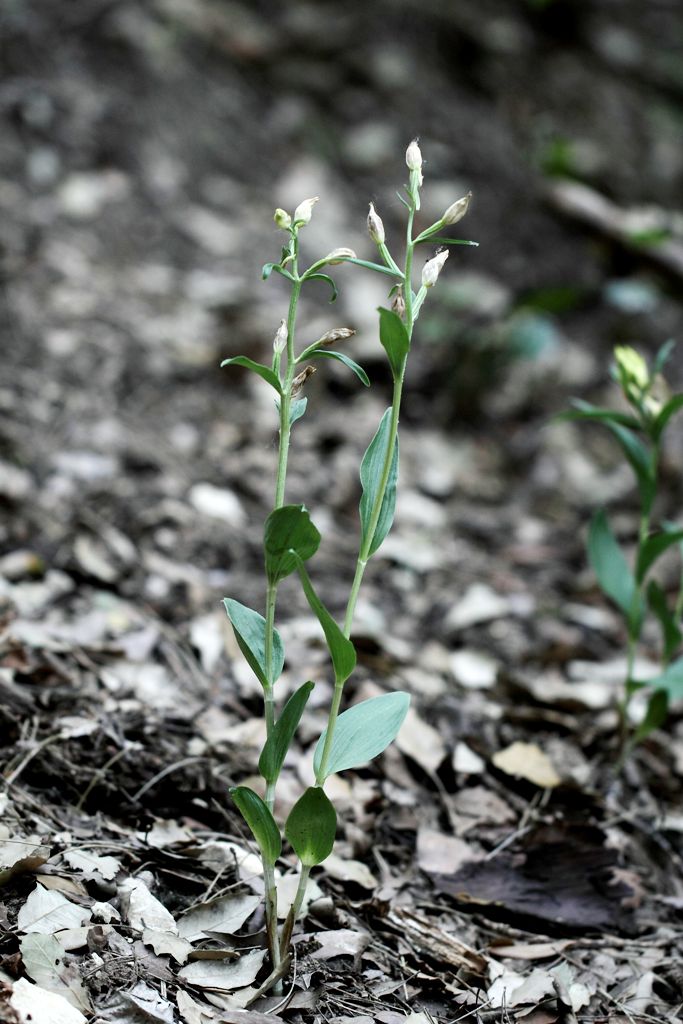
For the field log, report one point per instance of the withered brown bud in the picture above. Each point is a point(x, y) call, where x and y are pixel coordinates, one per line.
point(336, 334)
point(398, 303)
point(301, 379)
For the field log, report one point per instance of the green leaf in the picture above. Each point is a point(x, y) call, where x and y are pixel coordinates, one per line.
point(346, 360)
point(671, 633)
point(585, 411)
point(297, 409)
point(653, 547)
point(327, 279)
point(342, 651)
point(372, 266)
point(260, 821)
point(288, 533)
point(639, 458)
point(250, 632)
point(663, 356)
point(370, 477)
point(611, 568)
point(263, 371)
point(268, 269)
point(394, 338)
point(670, 680)
point(673, 406)
point(362, 732)
point(311, 827)
point(443, 240)
point(657, 710)
point(276, 746)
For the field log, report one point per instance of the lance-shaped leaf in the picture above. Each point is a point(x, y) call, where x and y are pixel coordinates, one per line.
point(586, 411)
point(346, 360)
point(671, 632)
point(288, 533)
point(342, 651)
point(311, 827)
point(260, 821)
point(663, 356)
point(250, 632)
point(655, 546)
point(263, 371)
point(278, 743)
point(611, 568)
point(377, 267)
point(394, 338)
point(445, 240)
point(268, 269)
point(327, 279)
point(362, 732)
point(670, 680)
point(371, 469)
point(670, 409)
point(638, 457)
point(657, 710)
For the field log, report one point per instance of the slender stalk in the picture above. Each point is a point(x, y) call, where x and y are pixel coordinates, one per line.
point(294, 909)
point(364, 553)
point(271, 914)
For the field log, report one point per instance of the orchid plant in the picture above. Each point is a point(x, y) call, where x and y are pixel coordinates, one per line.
point(628, 583)
point(291, 539)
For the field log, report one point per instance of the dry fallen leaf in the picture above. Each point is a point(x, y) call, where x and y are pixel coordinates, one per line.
point(92, 865)
point(142, 910)
point(167, 944)
point(19, 854)
point(43, 958)
point(48, 912)
point(36, 1004)
point(421, 742)
point(224, 976)
point(527, 761)
point(224, 915)
point(342, 942)
point(442, 854)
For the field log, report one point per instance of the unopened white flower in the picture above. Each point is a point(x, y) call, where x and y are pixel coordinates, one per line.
point(414, 156)
point(457, 210)
point(432, 269)
point(282, 219)
point(375, 226)
point(280, 339)
point(302, 214)
point(339, 255)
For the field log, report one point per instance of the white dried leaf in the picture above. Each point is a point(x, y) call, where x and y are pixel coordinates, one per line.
point(43, 958)
point(33, 1003)
point(286, 893)
point(144, 910)
point(342, 942)
point(350, 871)
point(421, 742)
point(191, 1012)
point(224, 915)
point(46, 911)
point(150, 1004)
point(167, 944)
point(92, 865)
point(441, 854)
point(19, 854)
point(224, 976)
point(527, 761)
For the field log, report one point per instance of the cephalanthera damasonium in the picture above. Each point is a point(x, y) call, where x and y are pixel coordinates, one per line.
point(291, 540)
point(629, 583)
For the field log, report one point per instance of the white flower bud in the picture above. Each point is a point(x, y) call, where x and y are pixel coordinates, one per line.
point(302, 214)
point(375, 226)
point(337, 256)
point(336, 334)
point(280, 339)
point(432, 269)
point(282, 219)
point(414, 156)
point(457, 210)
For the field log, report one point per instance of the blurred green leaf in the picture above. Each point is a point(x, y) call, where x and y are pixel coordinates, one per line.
point(673, 406)
point(296, 409)
point(346, 360)
point(613, 572)
point(263, 371)
point(671, 632)
point(585, 411)
point(657, 710)
point(653, 548)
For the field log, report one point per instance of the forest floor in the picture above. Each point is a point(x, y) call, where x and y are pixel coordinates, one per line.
point(491, 866)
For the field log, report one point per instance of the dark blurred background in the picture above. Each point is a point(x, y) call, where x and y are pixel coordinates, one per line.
point(143, 149)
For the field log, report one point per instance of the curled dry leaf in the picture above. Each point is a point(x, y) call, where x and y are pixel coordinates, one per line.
point(527, 761)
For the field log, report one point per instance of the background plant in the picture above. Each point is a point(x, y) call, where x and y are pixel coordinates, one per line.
point(628, 583)
point(291, 540)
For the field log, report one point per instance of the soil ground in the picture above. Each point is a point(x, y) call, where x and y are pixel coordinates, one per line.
point(144, 147)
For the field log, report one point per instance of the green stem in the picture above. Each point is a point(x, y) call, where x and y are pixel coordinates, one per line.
point(364, 553)
point(294, 909)
point(271, 914)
